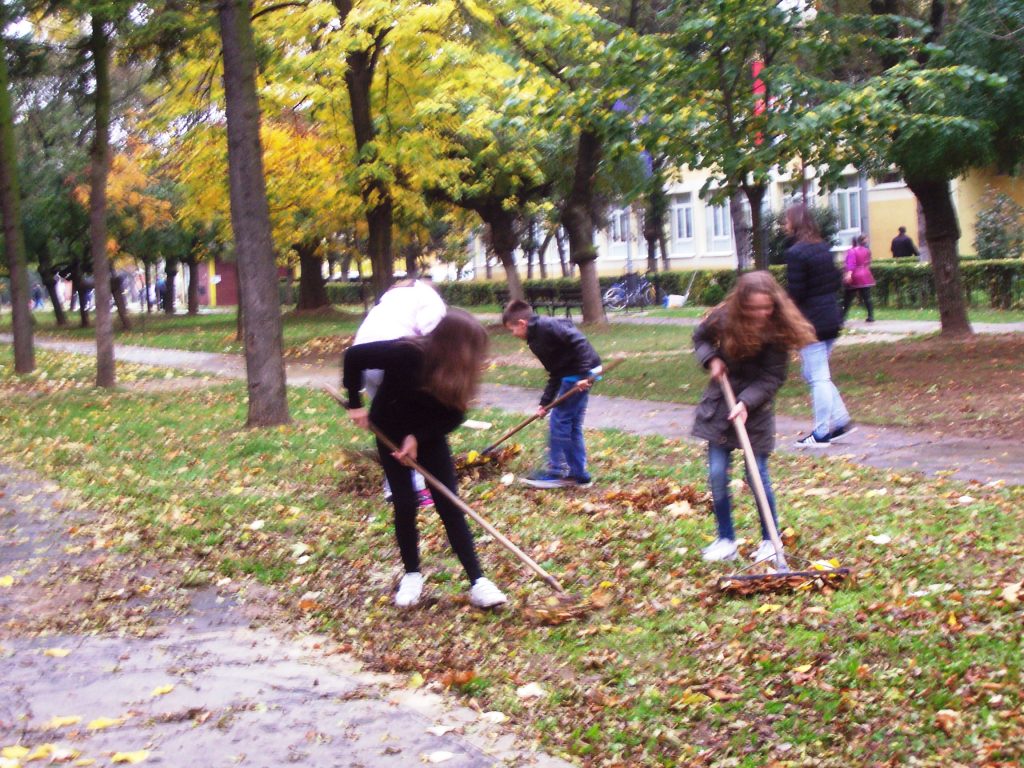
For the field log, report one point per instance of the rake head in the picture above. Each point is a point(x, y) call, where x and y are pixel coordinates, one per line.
point(784, 581)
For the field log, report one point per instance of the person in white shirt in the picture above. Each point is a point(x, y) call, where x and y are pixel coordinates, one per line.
point(408, 308)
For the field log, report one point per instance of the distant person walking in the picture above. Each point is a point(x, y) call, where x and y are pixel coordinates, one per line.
point(857, 279)
point(902, 246)
point(813, 282)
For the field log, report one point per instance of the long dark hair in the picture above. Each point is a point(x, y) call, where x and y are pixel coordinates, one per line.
point(802, 224)
point(454, 354)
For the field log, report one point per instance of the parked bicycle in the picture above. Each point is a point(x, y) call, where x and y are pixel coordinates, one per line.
point(632, 291)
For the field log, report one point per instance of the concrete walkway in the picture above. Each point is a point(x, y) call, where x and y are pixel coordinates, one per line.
point(965, 458)
point(193, 678)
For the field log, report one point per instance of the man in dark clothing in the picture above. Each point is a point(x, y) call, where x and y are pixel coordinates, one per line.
point(570, 360)
point(903, 246)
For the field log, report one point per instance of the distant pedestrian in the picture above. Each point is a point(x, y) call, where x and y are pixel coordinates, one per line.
point(427, 385)
point(902, 246)
point(746, 339)
point(570, 361)
point(37, 296)
point(857, 279)
point(410, 307)
point(813, 282)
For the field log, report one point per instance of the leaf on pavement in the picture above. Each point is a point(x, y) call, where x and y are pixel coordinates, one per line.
point(161, 690)
point(57, 653)
point(131, 758)
point(62, 722)
point(104, 722)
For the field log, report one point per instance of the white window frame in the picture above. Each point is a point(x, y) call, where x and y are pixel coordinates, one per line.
point(681, 225)
point(846, 203)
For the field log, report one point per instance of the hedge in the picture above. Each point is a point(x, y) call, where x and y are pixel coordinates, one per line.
point(997, 283)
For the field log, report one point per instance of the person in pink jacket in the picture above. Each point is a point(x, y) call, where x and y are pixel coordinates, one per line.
point(857, 279)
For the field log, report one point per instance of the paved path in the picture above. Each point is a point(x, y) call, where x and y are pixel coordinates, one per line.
point(191, 676)
point(964, 458)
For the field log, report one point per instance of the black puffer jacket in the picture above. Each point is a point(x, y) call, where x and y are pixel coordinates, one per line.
point(561, 349)
point(754, 381)
point(813, 281)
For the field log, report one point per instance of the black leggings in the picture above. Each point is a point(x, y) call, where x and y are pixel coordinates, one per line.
point(436, 458)
point(865, 297)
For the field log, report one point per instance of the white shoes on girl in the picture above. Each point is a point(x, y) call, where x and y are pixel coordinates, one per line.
point(719, 549)
point(409, 590)
point(764, 552)
point(483, 593)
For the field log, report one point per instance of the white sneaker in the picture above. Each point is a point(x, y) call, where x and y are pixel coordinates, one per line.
point(765, 551)
point(719, 549)
point(409, 590)
point(483, 594)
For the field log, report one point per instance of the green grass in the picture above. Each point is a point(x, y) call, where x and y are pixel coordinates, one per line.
point(670, 673)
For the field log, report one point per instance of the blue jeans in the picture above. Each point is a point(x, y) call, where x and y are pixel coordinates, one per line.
point(719, 459)
point(566, 453)
point(829, 410)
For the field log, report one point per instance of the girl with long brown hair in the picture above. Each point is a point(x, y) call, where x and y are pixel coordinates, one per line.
point(748, 339)
point(427, 385)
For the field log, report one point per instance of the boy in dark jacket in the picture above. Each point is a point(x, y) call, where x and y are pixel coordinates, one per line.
point(569, 359)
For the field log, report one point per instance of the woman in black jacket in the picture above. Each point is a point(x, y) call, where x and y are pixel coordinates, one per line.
point(813, 281)
point(427, 385)
point(747, 339)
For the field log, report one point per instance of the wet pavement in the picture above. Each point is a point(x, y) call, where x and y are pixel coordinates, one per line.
point(190, 677)
point(963, 458)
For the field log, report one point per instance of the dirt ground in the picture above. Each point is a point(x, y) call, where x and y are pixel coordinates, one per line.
point(972, 388)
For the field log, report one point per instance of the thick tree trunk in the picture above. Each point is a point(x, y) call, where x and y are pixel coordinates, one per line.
point(503, 243)
point(250, 221)
point(99, 167)
point(740, 232)
point(14, 240)
point(943, 231)
point(375, 193)
point(312, 286)
point(654, 215)
point(578, 219)
point(193, 284)
point(170, 286)
point(755, 197)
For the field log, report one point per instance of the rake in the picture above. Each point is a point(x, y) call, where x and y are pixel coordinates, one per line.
point(783, 579)
point(563, 607)
point(610, 366)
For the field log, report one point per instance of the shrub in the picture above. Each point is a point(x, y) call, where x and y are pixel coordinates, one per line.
point(999, 230)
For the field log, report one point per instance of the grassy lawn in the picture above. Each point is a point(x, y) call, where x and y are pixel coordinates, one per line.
point(920, 383)
point(917, 662)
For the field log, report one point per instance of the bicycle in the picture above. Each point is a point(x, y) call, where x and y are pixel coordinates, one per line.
point(632, 291)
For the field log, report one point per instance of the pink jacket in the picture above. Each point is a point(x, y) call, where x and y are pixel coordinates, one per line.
point(858, 262)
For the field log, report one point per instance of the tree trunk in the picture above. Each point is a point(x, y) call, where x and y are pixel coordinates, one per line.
point(99, 167)
point(117, 293)
point(542, 260)
point(250, 221)
point(193, 284)
point(560, 247)
point(755, 197)
point(79, 292)
point(741, 232)
point(312, 286)
point(375, 193)
point(49, 278)
point(14, 240)
point(943, 231)
point(654, 214)
point(170, 285)
point(503, 243)
point(578, 219)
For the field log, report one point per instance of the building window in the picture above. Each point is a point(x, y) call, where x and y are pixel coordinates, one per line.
point(618, 225)
point(721, 222)
point(845, 202)
point(681, 213)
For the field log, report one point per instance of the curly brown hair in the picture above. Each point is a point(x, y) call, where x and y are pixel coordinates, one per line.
point(738, 335)
point(454, 354)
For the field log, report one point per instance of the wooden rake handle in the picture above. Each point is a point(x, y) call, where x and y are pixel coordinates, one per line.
point(755, 478)
point(612, 364)
point(445, 491)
